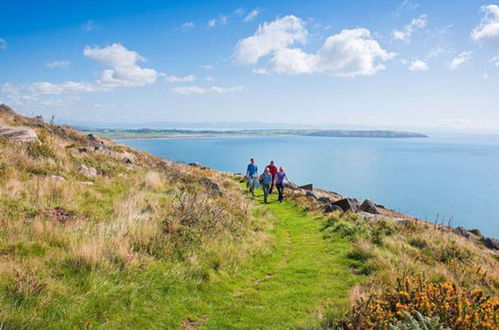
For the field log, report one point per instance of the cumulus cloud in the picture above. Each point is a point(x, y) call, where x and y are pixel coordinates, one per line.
point(173, 78)
point(269, 38)
point(57, 64)
point(197, 90)
point(488, 29)
point(3, 44)
point(251, 15)
point(350, 53)
point(460, 59)
point(121, 70)
point(418, 65)
point(407, 31)
point(124, 69)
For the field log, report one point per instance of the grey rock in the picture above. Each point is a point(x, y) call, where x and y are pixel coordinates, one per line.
point(307, 186)
point(87, 170)
point(18, 134)
point(326, 200)
point(476, 232)
point(462, 232)
point(347, 204)
point(195, 165)
point(490, 242)
point(369, 207)
point(332, 208)
point(87, 183)
point(57, 178)
point(310, 194)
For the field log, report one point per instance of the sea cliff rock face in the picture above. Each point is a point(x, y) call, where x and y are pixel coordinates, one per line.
point(18, 134)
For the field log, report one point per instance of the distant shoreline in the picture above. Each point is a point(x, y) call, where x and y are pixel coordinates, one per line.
point(123, 134)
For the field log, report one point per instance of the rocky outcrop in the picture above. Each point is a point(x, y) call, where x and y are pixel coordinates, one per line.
point(87, 171)
point(18, 134)
point(490, 242)
point(310, 194)
point(369, 207)
point(347, 204)
point(332, 208)
point(462, 232)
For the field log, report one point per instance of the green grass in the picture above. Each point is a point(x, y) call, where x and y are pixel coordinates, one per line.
point(301, 279)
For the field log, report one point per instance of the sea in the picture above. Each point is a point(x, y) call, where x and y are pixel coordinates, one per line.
point(450, 179)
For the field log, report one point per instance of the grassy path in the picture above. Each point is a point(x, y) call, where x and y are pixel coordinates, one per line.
point(306, 276)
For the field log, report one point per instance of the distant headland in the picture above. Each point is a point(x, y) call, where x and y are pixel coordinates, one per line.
point(135, 133)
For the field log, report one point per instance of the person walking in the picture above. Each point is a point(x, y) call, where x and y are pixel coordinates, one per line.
point(280, 177)
point(266, 180)
point(251, 176)
point(273, 171)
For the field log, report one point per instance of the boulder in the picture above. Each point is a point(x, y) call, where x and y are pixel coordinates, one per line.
point(57, 178)
point(38, 121)
point(476, 232)
point(369, 207)
point(198, 165)
point(326, 200)
point(462, 232)
point(212, 187)
point(18, 134)
point(310, 194)
point(87, 170)
point(332, 208)
point(307, 187)
point(347, 204)
point(490, 242)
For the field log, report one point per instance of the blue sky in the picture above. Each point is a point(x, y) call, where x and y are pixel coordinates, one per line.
point(403, 63)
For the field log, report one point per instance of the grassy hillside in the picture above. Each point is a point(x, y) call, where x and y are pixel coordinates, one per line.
point(97, 235)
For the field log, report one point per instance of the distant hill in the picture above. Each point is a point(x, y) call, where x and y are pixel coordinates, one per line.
point(125, 133)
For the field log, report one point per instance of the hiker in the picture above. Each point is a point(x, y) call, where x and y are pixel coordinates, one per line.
point(280, 177)
point(273, 171)
point(266, 180)
point(251, 176)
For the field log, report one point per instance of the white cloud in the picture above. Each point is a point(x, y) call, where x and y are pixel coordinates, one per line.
point(239, 11)
point(67, 87)
point(209, 78)
point(269, 38)
point(407, 31)
point(88, 26)
point(173, 78)
point(436, 52)
point(197, 90)
point(251, 15)
point(207, 67)
point(34, 96)
point(3, 44)
point(495, 60)
point(346, 54)
point(405, 5)
point(188, 25)
point(212, 23)
point(221, 20)
point(459, 60)
point(57, 64)
point(124, 69)
point(418, 65)
point(488, 29)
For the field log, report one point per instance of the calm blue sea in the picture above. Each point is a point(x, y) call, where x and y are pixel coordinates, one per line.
point(443, 177)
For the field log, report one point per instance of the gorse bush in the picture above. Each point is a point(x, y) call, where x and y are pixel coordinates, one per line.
point(455, 308)
point(419, 322)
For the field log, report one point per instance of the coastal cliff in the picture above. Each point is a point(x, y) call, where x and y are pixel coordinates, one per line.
point(96, 234)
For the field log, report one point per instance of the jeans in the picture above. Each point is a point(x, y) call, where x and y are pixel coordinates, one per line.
point(266, 188)
point(280, 190)
point(272, 185)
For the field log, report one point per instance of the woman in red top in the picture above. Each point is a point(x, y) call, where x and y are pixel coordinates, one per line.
point(273, 171)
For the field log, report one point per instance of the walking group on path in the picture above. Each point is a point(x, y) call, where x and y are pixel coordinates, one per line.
point(270, 178)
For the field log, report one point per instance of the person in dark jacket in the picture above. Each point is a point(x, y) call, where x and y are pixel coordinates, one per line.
point(266, 181)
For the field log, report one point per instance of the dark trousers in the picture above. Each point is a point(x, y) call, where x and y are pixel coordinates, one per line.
point(272, 184)
point(280, 190)
point(265, 187)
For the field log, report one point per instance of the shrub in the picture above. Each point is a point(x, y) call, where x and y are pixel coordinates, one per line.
point(456, 308)
point(419, 322)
